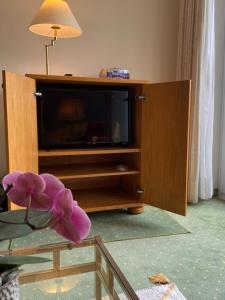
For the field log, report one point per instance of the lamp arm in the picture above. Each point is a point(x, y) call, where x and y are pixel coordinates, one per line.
point(52, 44)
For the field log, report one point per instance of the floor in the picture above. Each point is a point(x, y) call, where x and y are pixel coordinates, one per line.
point(194, 261)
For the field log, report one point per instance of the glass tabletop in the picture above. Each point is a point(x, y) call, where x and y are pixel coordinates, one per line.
point(86, 271)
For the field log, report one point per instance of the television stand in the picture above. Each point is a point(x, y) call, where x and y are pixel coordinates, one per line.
point(157, 160)
point(92, 175)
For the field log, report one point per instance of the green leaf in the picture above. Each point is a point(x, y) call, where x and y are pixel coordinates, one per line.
point(22, 260)
point(39, 218)
point(12, 231)
point(9, 232)
point(19, 215)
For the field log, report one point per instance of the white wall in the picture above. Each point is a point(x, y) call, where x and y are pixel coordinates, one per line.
point(220, 55)
point(140, 35)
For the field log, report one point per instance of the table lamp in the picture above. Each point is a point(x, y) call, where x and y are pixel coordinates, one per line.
point(56, 20)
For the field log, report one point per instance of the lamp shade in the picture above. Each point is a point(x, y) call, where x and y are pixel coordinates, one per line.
point(55, 15)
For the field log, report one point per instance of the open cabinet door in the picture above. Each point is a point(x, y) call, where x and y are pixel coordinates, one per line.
point(164, 142)
point(20, 122)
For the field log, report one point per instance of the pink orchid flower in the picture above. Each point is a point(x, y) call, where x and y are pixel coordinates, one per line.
point(47, 192)
point(53, 185)
point(28, 186)
point(68, 219)
point(10, 179)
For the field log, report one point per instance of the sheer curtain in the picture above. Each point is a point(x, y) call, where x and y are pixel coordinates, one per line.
point(222, 139)
point(196, 61)
point(206, 99)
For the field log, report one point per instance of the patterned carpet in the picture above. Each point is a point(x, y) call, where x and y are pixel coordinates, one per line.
point(195, 261)
point(114, 226)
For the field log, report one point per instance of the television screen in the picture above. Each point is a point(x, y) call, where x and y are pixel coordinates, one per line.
point(84, 117)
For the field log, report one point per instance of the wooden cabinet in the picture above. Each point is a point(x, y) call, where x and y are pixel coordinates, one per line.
point(157, 159)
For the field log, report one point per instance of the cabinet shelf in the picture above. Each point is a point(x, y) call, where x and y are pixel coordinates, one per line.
point(104, 199)
point(74, 152)
point(64, 172)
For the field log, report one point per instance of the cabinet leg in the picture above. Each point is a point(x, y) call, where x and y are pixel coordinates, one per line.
point(136, 210)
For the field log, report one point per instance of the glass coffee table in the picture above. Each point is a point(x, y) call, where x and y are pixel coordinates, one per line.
point(65, 277)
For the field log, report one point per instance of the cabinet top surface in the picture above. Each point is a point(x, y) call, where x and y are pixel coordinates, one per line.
point(91, 80)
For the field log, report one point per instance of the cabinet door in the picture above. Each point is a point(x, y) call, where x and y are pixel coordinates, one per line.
point(164, 142)
point(20, 122)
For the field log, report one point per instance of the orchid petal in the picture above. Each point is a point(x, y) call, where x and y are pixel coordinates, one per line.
point(74, 228)
point(80, 221)
point(66, 230)
point(41, 201)
point(63, 203)
point(10, 179)
point(53, 185)
point(18, 197)
point(30, 182)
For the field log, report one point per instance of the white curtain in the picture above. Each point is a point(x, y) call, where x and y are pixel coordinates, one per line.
point(196, 62)
point(206, 99)
point(221, 183)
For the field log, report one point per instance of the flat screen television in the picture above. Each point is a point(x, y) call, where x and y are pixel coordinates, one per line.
point(84, 116)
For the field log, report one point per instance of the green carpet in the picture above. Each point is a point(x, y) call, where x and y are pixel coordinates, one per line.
point(116, 226)
point(112, 226)
point(119, 225)
point(195, 262)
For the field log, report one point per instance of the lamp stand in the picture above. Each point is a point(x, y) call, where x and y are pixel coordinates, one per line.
point(52, 44)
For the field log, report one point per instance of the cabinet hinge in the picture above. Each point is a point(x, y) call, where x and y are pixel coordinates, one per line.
point(38, 94)
point(141, 98)
point(140, 190)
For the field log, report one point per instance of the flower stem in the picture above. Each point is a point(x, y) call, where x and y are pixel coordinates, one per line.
point(26, 218)
point(10, 244)
point(3, 197)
